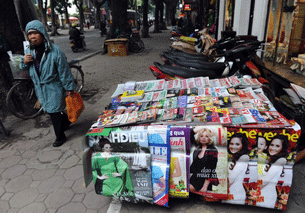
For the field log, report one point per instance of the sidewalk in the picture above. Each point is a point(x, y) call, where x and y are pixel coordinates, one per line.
point(38, 178)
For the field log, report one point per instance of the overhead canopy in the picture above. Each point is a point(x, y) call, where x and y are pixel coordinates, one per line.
point(73, 18)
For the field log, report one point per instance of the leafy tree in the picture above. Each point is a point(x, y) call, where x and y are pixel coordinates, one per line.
point(98, 4)
point(119, 14)
point(157, 15)
point(53, 18)
point(62, 8)
point(145, 20)
point(170, 11)
point(79, 5)
point(43, 10)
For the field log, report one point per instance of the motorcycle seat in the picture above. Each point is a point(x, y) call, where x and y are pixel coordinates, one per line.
point(199, 64)
point(187, 55)
point(187, 72)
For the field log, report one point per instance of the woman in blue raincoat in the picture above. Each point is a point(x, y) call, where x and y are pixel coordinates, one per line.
point(51, 75)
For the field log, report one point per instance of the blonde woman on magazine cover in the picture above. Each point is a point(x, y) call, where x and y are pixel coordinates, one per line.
point(205, 157)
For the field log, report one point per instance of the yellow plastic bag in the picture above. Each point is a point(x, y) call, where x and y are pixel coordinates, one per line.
point(75, 106)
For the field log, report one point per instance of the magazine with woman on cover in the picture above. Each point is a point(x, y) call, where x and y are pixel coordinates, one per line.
point(242, 168)
point(275, 166)
point(208, 169)
point(121, 164)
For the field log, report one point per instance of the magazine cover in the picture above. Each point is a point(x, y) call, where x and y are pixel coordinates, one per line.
point(179, 162)
point(160, 172)
point(275, 166)
point(208, 165)
point(121, 164)
point(242, 167)
point(158, 137)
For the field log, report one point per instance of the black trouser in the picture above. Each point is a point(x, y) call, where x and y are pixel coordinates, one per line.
point(60, 123)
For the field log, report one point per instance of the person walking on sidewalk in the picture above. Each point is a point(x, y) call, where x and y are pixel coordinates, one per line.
point(51, 75)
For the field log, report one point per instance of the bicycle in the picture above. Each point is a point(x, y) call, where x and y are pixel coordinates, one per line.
point(135, 44)
point(21, 99)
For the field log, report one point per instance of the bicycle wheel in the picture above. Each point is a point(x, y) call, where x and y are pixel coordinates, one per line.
point(78, 77)
point(137, 46)
point(21, 100)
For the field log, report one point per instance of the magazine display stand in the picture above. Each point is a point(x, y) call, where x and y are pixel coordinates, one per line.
point(220, 138)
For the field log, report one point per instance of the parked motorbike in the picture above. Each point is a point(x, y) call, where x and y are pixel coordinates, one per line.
point(237, 62)
point(80, 45)
point(103, 32)
point(198, 45)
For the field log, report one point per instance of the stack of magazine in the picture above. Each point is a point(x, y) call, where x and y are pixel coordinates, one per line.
point(152, 163)
point(226, 101)
point(221, 139)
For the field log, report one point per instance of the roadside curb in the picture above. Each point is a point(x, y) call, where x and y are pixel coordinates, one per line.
point(89, 55)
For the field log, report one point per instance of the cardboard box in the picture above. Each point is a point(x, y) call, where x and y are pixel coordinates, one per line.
point(117, 47)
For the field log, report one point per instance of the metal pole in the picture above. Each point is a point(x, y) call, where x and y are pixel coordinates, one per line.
point(278, 33)
point(136, 15)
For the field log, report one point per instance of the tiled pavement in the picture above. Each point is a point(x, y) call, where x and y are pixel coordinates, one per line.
point(37, 178)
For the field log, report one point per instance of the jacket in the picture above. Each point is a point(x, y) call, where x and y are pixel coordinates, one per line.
point(55, 74)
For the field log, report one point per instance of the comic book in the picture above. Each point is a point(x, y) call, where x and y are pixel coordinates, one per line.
point(119, 91)
point(208, 164)
point(274, 119)
point(173, 93)
point(120, 163)
point(179, 164)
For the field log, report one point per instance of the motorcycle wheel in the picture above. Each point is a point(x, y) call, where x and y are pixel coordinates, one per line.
point(137, 46)
point(84, 44)
point(74, 49)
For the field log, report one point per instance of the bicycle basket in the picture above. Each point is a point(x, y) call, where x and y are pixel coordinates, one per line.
point(14, 64)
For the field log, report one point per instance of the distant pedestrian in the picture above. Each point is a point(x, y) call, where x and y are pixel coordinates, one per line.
point(88, 24)
point(51, 75)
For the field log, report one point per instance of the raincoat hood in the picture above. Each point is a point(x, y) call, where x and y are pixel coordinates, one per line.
point(37, 25)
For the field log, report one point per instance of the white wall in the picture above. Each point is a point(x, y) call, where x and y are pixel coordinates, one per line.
point(221, 20)
point(242, 16)
point(259, 19)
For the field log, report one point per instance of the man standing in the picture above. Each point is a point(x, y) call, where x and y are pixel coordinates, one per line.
point(51, 75)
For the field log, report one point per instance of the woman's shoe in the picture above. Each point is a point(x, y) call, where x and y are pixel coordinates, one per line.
point(60, 142)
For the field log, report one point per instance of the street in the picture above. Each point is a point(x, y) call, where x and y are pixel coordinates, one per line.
point(93, 40)
point(35, 177)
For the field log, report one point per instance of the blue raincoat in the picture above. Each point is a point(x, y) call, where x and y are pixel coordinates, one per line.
point(55, 75)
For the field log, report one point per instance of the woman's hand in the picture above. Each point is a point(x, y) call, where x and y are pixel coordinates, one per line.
point(70, 92)
point(115, 174)
point(27, 59)
point(103, 177)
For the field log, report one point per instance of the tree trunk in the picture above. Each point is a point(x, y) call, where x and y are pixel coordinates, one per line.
point(67, 16)
point(119, 20)
point(171, 12)
point(11, 30)
point(162, 23)
point(97, 17)
point(145, 27)
point(81, 16)
point(157, 11)
point(44, 13)
point(54, 29)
